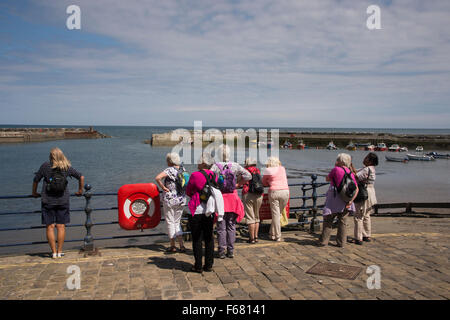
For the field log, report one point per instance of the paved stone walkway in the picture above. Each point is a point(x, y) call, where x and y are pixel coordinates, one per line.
point(414, 265)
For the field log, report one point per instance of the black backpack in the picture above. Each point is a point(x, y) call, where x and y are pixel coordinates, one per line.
point(206, 192)
point(181, 180)
point(347, 187)
point(56, 183)
point(363, 195)
point(255, 185)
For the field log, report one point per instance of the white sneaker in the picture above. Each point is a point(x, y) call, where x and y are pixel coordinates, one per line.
point(54, 255)
point(60, 254)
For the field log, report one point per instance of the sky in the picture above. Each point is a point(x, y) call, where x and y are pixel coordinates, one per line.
point(253, 63)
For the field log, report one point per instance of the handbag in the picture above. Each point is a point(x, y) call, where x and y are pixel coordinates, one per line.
point(362, 195)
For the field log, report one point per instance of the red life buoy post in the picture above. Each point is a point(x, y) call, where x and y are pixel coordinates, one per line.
point(139, 206)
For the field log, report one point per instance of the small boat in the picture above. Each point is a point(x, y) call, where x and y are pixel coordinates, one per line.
point(403, 149)
point(287, 145)
point(438, 155)
point(396, 159)
point(419, 157)
point(351, 146)
point(370, 148)
point(419, 149)
point(331, 146)
point(362, 145)
point(394, 148)
point(301, 145)
point(381, 147)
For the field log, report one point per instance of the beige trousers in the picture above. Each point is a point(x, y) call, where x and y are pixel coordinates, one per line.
point(341, 237)
point(363, 226)
point(278, 199)
point(252, 203)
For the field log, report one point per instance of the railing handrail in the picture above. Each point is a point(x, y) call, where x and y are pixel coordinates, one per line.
point(88, 240)
point(318, 184)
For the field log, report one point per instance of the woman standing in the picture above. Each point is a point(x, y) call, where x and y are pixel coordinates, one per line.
point(234, 209)
point(55, 196)
point(201, 224)
point(364, 208)
point(334, 205)
point(173, 201)
point(275, 177)
point(252, 200)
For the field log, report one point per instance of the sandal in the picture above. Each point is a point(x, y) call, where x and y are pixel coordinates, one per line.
point(171, 249)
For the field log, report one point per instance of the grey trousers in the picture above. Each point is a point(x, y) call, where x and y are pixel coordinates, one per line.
point(341, 237)
point(226, 232)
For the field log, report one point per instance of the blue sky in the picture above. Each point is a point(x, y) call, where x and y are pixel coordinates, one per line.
point(227, 63)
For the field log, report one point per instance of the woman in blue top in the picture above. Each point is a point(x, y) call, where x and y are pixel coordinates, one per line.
point(55, 196)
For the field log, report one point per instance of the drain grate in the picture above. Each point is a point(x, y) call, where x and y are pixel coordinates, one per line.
point(335, 270)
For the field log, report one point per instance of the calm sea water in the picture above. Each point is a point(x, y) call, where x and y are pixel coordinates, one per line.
point(108, 164)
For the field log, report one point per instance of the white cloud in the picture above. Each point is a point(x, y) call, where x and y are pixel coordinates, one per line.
point(279, 63)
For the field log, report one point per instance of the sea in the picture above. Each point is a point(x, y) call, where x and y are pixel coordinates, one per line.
point(109, 163)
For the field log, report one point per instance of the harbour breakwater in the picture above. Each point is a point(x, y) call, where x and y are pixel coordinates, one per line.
point(22, 135)
point(321, 139)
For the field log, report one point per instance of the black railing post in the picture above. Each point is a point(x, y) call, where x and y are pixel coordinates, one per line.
point(315, 224)
point(303, 219)
point(88, 242)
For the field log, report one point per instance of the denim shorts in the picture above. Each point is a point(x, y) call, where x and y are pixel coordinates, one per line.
point(58, 214)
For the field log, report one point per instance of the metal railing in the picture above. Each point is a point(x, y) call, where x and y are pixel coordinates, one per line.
point(304, 213)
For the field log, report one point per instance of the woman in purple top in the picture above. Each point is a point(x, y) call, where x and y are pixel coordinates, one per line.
point(334, 205)
point(201, 225)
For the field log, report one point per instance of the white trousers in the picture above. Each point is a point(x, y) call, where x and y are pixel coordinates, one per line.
point(173, 218)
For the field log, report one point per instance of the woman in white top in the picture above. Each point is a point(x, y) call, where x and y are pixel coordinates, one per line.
point(173, 201)
point(364, 208)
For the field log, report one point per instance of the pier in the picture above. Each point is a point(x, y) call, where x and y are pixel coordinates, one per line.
point(21, 135)
point(340, 139)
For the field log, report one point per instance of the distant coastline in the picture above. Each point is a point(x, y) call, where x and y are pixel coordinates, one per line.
point(25, 135)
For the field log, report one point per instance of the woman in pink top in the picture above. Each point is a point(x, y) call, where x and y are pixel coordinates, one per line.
point(201, 225)
point(334, 205)
point(275, 178)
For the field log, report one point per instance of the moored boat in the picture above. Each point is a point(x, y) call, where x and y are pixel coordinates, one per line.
point(370, 148)
point(351, 146)
point(394, 148)
point(331, 146)
point(420, 157)
point(396, 159)
point(301, 145)
point(419, 149)
point(403, 149)
point(438, 155)
point(381, 147)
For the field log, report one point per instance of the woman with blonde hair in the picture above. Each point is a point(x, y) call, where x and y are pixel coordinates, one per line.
point(55, 196)
point(174, 200)
point(275, 178)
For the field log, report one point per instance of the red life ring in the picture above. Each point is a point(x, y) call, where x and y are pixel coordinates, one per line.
point(139, 206)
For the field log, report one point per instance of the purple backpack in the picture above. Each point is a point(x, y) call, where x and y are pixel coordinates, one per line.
point(227, 179)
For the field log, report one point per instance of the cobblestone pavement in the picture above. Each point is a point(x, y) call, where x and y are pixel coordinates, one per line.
point(414, 265)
